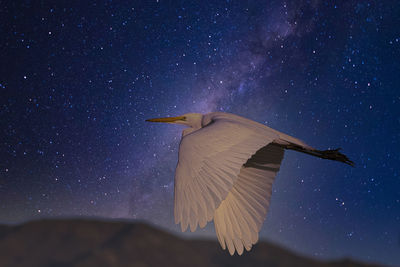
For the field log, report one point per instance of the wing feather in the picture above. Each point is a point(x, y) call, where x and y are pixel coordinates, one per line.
point(247, 202)
point(210, 160)
point(221, 228)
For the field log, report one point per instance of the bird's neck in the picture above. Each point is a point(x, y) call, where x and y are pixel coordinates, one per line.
point(188, 131)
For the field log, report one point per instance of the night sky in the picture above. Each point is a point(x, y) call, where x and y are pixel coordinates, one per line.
point(77, 82)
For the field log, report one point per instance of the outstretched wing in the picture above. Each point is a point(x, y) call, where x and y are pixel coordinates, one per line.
point(241, 214)
point(210, 160)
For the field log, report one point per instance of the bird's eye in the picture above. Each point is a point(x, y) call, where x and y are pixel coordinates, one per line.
point(184, 118)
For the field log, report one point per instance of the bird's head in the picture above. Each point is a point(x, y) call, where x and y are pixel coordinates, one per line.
point(189, 119)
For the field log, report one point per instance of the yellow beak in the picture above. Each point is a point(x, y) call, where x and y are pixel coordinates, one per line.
point(168, 120)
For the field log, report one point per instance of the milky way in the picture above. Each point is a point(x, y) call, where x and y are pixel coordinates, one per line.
point(78, 81)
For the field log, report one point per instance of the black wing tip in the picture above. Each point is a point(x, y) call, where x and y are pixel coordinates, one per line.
point(334, 154)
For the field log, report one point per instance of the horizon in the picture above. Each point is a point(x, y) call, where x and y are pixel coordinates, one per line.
point(186, 236)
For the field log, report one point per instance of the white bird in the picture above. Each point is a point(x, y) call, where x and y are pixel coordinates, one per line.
point(225, 171)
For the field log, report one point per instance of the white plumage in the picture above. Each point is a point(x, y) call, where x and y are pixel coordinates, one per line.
point(225, 172)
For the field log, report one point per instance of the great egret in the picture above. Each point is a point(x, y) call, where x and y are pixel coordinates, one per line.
point(225, 172)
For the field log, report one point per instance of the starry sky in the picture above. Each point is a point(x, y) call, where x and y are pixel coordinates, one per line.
point(78, 80)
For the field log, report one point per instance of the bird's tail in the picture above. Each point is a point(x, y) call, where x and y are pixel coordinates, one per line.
point(332, 154)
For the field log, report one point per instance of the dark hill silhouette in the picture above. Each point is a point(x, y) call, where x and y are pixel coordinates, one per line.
point(101, 243)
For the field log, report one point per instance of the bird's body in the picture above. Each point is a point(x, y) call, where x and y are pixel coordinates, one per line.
point(225, 172)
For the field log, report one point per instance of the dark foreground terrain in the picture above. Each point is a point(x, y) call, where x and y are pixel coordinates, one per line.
point(100, 243)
